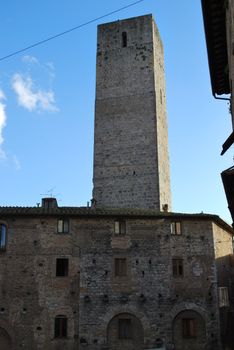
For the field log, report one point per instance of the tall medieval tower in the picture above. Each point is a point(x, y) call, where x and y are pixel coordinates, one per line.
point(131, 164)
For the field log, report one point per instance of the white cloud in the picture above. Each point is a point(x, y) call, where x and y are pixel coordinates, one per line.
point(2, 155)
point(16, 162)
point(2, 96)
point(50, 65)
point(30, 59)
point(30, 97)
point(51, 70)
point(3, 119)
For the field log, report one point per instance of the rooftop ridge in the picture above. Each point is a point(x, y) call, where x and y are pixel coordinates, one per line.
point(110, 212)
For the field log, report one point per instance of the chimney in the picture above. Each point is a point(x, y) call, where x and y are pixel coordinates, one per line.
point(49, 203)
point(93, 203)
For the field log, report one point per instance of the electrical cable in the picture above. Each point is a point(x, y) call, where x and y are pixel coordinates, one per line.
point(69, 30)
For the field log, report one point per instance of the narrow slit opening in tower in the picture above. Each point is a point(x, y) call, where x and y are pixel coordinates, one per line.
point(124, 39)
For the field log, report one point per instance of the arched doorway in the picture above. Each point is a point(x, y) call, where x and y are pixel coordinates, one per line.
point(125, 332)
point(189, 331)
point(5, 340)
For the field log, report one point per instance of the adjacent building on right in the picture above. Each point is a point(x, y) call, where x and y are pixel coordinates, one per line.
point(219, 30)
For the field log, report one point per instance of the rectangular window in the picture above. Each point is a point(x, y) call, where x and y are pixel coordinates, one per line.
point(63, 226)
point(125, 328)
point(176, 228)
point(223, 297)
point(60, 327)
point(120, 227)
point(62, 267)
point(2, 237)
point(188, 325)
point(177, 267)
point(120, 267)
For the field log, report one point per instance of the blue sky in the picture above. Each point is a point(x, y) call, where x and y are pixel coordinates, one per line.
point(47, 103)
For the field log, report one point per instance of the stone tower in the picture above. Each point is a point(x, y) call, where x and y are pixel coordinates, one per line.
point(131, 164)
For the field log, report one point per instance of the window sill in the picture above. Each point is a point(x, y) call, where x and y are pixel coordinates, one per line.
point(189, 337)
point(62, 276)
point(60, 338)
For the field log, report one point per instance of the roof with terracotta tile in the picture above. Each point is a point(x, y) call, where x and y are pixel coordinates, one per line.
point(107, 212)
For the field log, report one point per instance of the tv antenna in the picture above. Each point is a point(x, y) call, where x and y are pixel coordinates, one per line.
point(49, 193)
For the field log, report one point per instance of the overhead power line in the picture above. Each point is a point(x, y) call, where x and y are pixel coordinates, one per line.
point(69, 30)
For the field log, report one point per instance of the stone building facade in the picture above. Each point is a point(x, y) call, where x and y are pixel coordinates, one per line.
point(219, 31)
point(125, 273)
point(89, 278)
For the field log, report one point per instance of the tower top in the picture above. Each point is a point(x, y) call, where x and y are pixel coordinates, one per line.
point(141, 18)
point(134, 25)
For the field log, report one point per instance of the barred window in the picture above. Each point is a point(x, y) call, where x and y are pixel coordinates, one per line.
point(223, 297)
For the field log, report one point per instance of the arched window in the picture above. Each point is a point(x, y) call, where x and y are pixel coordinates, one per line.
point(127, 330)
point(60, 326)
point(124, 39)
point(189, 325)
point(2, 236)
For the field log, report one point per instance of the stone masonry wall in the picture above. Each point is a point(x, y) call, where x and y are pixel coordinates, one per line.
point(161, 122)
point(149, 291)
point(31, 295)
point(127, 159)
point(223, 252)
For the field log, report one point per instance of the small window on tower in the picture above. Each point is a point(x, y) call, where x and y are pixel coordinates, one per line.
point(124, 39)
